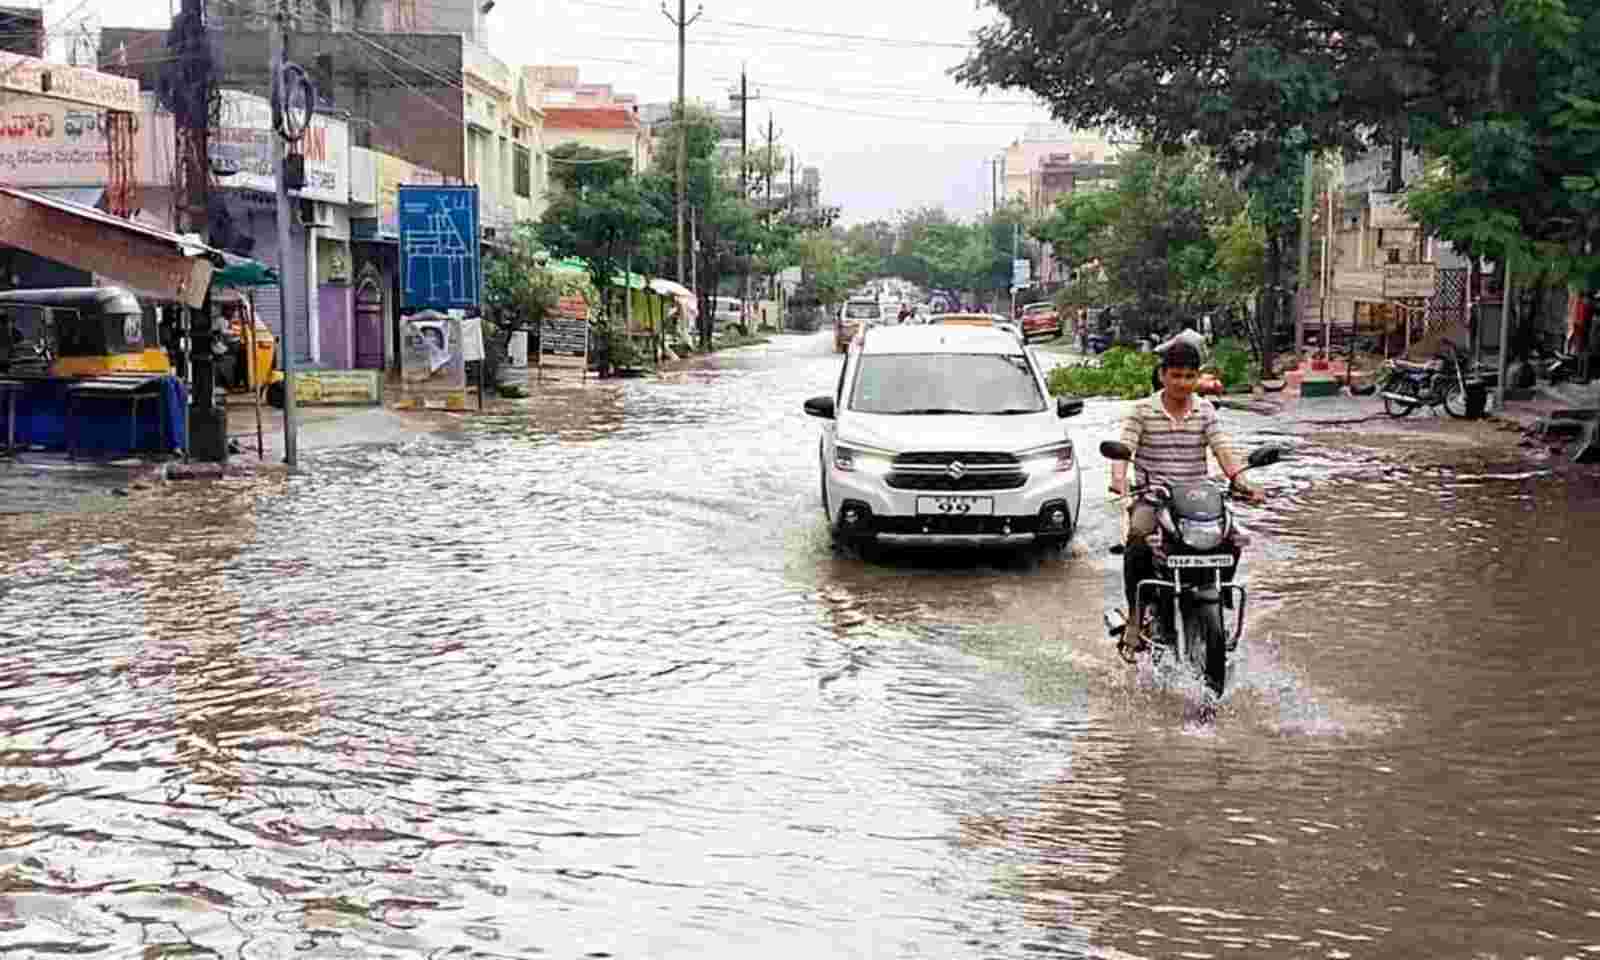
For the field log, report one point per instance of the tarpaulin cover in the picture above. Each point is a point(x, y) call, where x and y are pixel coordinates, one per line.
point(101, 426)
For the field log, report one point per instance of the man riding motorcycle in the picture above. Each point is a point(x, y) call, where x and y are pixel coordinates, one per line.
point(1169, 433)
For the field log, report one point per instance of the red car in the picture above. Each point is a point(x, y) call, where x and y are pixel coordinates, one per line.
point(1041, 320)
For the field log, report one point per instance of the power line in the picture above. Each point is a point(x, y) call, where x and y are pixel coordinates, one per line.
point(898, 116)
point(799, 31)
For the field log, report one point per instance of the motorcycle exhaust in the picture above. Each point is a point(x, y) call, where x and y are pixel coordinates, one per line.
point(1116, 623)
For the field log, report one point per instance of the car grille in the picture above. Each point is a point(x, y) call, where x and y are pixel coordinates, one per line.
point(957, 525)
point(946, 483)
point(978, 471)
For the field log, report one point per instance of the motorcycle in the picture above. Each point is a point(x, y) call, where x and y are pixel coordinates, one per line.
point(1441, 382)
point(1193, 547)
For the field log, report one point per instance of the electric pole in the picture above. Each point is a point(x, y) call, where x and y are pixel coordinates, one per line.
point(275, 55)
point(208, 422)
point(744, 134)
point(682, 22)
point(771, 135)
point(744, 161)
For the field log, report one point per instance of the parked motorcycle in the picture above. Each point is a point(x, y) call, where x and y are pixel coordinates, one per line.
point(1181, 609)
point(1441, 382)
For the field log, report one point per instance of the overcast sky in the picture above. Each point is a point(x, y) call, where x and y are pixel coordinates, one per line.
point(881, 118)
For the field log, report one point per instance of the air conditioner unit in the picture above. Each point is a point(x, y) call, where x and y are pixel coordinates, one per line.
point(316, 215)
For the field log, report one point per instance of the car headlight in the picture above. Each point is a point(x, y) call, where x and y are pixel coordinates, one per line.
point(1200, 534)
point(847, 458)
point(1056, 457)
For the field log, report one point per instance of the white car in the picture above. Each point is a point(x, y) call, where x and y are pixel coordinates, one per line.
point(946, 435)
point(726, 312)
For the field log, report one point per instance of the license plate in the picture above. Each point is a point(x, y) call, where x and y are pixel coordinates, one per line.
point(1212, 560)
point(955, 506)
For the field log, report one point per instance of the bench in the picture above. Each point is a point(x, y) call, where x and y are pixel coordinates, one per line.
point(126, 387)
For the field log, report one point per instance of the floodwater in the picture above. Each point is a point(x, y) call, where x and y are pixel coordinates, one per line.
point(586, 680)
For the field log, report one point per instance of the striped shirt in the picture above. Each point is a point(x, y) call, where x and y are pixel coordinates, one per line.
point(1172, 449)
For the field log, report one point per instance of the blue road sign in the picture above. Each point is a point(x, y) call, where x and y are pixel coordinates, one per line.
point(439, 245)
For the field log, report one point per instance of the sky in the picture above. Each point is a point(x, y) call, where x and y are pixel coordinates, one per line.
point(858, 88)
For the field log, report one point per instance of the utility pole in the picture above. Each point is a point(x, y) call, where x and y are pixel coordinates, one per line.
point(744, 134)
point(682, 22)
point(208, 421)
point(275, 55)
point(1308, 178)
point(772, 135)
point(744, 162)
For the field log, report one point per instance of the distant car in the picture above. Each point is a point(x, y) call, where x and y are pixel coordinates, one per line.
point(855, 315)
point(946, 436)
point(726, 311)
point(1041, 320)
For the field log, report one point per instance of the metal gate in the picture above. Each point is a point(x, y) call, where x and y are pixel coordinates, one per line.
point(1448, 305)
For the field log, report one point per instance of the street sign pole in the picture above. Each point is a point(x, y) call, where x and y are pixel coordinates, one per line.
point(291, 439)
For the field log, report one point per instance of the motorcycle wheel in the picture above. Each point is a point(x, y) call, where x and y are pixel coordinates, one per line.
point(1208, 645)
point(1396, 408)
point(1455, 401)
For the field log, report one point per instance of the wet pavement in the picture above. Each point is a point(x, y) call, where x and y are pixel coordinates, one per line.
point(583, 678)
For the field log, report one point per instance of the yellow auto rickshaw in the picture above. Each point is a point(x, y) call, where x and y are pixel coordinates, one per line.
point(247, 336)
point(80, 332)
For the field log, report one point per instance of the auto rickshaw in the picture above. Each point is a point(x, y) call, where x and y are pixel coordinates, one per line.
point(80, 332)
point(245, 335)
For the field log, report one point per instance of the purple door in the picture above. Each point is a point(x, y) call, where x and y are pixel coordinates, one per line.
point(369, 320)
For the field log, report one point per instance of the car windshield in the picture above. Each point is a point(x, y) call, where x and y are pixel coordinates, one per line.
point(940, 383)
point(861, 311)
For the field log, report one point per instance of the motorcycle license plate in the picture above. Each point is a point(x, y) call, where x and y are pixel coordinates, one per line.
point(1214, 560)
point(955, 506)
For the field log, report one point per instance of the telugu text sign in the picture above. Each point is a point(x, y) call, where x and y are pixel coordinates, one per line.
point(563, 341)
point(47, 143)
point(338, 387)
point(1410, 279)
point(89, 88)
point(439, 248)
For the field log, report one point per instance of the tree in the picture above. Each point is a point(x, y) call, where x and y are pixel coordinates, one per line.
point(602, 224)
point(519, 290)
point(1520, 183)
point(1077, 227)
point(575, 167)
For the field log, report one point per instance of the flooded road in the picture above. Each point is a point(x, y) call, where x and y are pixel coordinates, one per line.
point(585, 679)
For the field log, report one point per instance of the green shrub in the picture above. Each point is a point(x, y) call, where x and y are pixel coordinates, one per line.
point(1120, 372)
point(1235, 364)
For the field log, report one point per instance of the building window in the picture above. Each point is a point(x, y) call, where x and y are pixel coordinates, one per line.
point(490, 107)
point(517, 133)
point(522, 173)
point(471, 101)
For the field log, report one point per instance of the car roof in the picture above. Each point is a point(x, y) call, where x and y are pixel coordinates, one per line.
point(932, 339)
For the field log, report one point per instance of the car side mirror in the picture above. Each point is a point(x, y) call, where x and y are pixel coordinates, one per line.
point(1068, 407)
point(820, 407)
point(1115, 450)
point(1265, 456)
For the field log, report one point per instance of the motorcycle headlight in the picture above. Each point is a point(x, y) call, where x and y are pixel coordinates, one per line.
point(864, 459)
point(1201, 534)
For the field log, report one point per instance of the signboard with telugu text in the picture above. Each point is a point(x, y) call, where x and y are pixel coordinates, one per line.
point(48, 143)
point(78, 85)
point(338, 387)
point(1410, 279)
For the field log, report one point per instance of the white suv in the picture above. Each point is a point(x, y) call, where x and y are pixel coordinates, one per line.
point(946, 435)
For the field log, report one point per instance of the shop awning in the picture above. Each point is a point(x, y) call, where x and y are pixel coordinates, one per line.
point(128, 253)
point(82, 196)
point(240, 271)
